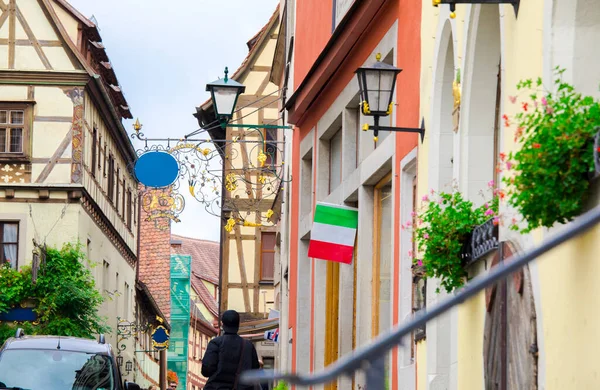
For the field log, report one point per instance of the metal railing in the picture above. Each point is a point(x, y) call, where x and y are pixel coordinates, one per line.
point(371, 358)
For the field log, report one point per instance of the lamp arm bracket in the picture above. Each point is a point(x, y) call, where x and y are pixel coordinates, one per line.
point(420, 130)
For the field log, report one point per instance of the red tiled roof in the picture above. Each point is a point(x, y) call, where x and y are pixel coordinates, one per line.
point(205, 266)
point(205, 296)
point(205, 256)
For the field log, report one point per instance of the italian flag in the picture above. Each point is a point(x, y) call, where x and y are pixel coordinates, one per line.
point(333, 233)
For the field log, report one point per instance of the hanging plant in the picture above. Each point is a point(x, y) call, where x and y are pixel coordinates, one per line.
point(441, 227)
point(551, 170)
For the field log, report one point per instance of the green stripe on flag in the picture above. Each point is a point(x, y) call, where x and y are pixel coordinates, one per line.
point(331, 215)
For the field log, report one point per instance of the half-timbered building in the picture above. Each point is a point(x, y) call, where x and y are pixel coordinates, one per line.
point(248, 247)
point(64, 153)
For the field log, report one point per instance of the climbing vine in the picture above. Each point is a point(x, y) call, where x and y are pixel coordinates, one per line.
point(64, 294)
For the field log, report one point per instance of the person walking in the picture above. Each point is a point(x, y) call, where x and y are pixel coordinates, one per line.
point(227, 356)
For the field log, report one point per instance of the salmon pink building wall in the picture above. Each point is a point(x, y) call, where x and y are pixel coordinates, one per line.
point(313, 30)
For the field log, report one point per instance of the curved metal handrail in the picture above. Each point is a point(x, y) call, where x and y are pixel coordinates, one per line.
point(370, 356)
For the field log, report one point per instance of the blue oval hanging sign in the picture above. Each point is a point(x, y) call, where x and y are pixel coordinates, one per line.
point(156, 169)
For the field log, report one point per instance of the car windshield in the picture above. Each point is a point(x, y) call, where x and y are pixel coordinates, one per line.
point(55, 370)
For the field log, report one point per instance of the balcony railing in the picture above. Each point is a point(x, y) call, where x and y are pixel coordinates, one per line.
point(372, 357)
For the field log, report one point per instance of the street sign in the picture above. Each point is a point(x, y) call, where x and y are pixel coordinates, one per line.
point(160, 338)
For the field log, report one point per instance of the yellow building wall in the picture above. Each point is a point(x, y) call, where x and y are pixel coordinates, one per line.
point(521, 58)
point(253, 80)
point(421, 352)
point(570, 295)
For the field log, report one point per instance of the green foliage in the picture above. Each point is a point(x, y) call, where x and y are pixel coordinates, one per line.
point(551, 169)
point(440, 230)
point(281, 386)
point(67, 301)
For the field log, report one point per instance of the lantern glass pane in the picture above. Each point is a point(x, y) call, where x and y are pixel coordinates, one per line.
point(224, 100)
point(384, 100)
point(372, 80)
point(374, 100)
point(387, 80)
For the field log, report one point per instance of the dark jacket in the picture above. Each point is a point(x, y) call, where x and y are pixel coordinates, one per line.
point(221, 360)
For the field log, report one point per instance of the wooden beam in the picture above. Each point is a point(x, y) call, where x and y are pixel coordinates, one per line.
point(257, 270)
point(224, 282)
point(58, 119)
point(33, 39)
point(59, 152)
point(3, 19)
point(2, 5)
point(30, 92)
point(11, 34)
point(35, 77)
point(242, 264)
point(27, 42)
point(42, 160)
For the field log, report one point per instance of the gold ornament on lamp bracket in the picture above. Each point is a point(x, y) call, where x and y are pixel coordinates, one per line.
point(456, 97)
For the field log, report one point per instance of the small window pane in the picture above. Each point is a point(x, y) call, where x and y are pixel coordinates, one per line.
point(3, 116)
point(2, 140)
point(10, 254)
point(268, 264)
point(16, 140)
point(268, 241)
point(10, 233)
point(17, 117)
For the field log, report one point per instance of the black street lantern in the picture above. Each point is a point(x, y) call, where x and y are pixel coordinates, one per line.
point(120, 360)
point(128, 366)
point(224, 94)
point(376, 85)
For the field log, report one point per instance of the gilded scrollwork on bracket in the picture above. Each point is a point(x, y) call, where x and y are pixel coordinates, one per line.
point(220, 174)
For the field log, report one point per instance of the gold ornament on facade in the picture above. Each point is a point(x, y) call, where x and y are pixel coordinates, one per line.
point(456, 97)
point(230, 182)
point(270, 213)
point(262, 158)
point(206, 152)
point(230, 224)
point(252, 224)
point(262, 179)
point(389, 110)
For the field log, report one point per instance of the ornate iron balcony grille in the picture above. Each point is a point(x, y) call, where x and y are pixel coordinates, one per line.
point(484, 240)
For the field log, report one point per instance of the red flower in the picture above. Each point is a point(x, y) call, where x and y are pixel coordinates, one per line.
point(597, 149)
point(502, 156)
point(525, 105)
point(505, 117)
point(536, 145)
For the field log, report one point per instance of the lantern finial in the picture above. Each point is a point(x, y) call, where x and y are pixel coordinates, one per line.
point(378, 57)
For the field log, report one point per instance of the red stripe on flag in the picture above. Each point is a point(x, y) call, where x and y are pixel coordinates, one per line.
point(332, 252)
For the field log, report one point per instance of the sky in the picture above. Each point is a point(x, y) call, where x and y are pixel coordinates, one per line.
point(164, 53)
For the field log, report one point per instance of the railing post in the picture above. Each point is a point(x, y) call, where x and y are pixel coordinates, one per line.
point(376, 373)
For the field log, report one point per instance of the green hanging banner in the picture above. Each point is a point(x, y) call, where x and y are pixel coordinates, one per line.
point(180, 317)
